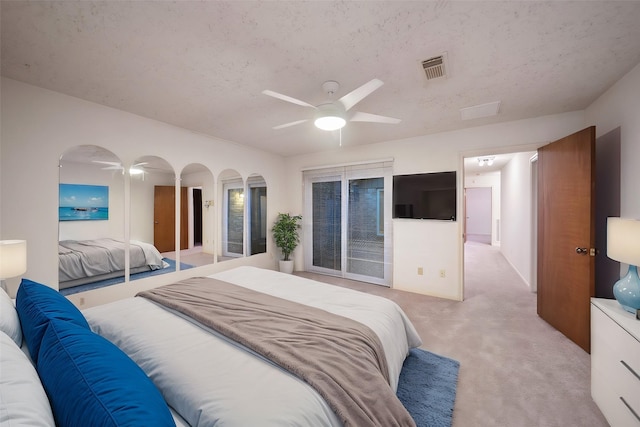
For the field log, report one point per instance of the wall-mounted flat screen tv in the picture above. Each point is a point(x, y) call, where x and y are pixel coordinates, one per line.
point(425, 196)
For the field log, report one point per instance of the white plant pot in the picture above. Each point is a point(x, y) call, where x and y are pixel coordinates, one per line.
point(286, 266)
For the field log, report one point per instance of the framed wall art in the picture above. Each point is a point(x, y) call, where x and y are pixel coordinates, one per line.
point(79, 202)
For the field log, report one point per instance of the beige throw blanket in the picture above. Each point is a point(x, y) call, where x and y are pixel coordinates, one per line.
point(341, 358)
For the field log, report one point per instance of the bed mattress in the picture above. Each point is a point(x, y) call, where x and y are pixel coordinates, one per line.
point(210, 380)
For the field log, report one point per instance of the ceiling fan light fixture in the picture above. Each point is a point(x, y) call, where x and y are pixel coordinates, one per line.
point(135, 171)
point(330, 122)
point(329, 117)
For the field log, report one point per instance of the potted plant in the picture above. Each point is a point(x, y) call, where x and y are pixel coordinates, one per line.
point(285, 233)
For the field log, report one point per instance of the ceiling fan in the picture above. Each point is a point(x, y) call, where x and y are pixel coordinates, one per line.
point(333, 115)
point(135, 169)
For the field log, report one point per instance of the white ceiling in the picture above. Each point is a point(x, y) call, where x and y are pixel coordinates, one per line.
point(203, 65)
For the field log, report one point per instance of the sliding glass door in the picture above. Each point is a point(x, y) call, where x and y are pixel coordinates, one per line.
point(233, 220)
point(257, 212)
point(327, 226)
point(348, 231)
point(365, 227)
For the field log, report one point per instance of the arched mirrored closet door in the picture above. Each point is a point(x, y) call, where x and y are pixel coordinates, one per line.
point(91, 214)
point(257, 227)
point(152, 218)
point(201, 216)
point(231, 190)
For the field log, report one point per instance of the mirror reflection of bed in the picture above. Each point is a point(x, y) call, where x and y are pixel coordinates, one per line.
point(218, 220)
point(92, 244)
point(92, 251)
point(91, 224)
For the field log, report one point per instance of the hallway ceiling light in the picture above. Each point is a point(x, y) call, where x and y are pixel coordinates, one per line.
point(485, 161)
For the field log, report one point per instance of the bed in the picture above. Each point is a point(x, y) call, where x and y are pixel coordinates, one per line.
point(207, 379)
point(87, 261)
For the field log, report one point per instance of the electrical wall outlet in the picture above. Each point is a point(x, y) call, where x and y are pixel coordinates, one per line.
point(443, 273)
point(420, 271)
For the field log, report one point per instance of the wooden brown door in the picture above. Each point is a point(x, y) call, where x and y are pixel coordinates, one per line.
point(566, 234)
point(164, 218)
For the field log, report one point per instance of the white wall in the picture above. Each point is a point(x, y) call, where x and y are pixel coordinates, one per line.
point(39, 125)
point(492, 180)
point(620, 107)
point(517, 236)
point(434, 245)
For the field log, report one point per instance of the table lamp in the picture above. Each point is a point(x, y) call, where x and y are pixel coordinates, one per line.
point(623, 244)
point(13, 259)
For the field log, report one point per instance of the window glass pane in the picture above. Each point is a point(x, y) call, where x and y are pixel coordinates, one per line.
point(327, 227)
point(258, 219)
point(235, 220)
point(365, 235)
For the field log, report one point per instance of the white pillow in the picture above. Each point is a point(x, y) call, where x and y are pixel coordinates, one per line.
point(23, 401)
point(9, 320)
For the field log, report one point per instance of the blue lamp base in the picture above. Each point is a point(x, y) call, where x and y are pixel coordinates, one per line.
point(627, 290)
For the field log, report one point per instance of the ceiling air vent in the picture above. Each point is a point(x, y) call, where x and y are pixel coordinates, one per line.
point(435, 67)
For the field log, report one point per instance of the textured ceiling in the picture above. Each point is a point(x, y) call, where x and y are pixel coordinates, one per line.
point(203, 65)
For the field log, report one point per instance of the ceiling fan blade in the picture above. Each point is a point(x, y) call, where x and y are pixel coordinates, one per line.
point(366, 117)
point(106, 163)
point(357, 95)
point(135, 165)
point(113, 168)
point(286, 125)
point(287, 98)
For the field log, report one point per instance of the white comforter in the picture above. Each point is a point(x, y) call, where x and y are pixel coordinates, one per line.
point(210, 381)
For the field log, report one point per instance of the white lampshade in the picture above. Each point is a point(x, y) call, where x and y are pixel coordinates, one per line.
point(623, 240)
point(13, 258)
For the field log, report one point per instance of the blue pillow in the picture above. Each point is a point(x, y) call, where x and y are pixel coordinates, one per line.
point(91, 382)
point(37, 304)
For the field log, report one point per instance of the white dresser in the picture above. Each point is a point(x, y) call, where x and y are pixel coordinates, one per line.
point(615, 362)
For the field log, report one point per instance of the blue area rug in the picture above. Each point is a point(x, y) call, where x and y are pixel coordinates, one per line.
point(427, 388)
point(115, 280)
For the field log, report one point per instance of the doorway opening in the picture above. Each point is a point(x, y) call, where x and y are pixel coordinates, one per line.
point(499, 212)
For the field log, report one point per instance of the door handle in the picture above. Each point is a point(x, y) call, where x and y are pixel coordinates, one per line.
point(156, 222)
point(585, 251)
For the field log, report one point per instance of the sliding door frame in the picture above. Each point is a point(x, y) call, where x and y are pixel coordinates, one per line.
point(345, 174)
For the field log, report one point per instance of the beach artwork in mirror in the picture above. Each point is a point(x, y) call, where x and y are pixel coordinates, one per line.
point(81, 202)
